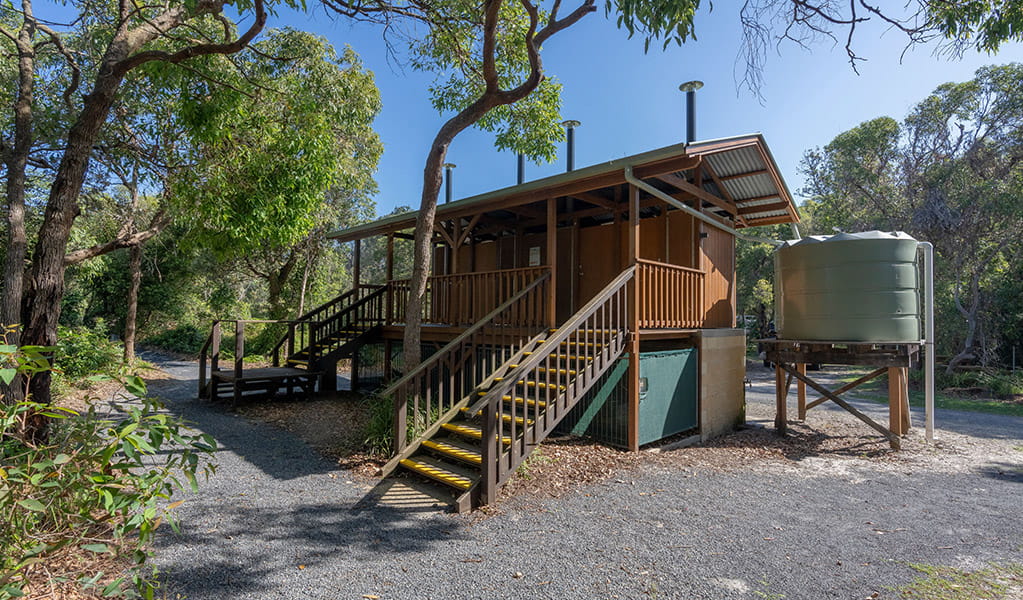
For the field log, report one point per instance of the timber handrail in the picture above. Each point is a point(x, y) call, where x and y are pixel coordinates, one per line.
point(462, 298)
point(302, 332)
point(338, 300)
point(556, 374)
point(670, 296)
point(436, 357)
point(436, 389)
point(656, 263)
point(561, 334)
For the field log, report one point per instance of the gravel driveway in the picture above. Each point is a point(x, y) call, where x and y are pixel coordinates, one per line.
point(279, 521)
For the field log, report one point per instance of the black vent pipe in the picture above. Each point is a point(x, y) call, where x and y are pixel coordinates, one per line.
point(690, 88)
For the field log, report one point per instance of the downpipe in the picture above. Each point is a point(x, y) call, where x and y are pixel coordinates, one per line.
point(928, 251)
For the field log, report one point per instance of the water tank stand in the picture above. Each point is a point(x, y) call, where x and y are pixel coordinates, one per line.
point(790, 358)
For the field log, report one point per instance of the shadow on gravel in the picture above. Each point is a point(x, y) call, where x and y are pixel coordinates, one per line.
point(803, 441)
point(277, 453)
point(1003, 471)
point(247, 554)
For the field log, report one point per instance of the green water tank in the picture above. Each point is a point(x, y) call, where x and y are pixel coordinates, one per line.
point(849, 287)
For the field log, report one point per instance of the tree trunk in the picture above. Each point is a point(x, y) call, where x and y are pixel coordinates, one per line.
point(16, 162)
point(131, 314)
point(45, 286)
point(971, 314)
point(422, 246)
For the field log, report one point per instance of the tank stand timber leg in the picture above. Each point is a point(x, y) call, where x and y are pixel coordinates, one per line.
point(780, 397)
point(893, 439)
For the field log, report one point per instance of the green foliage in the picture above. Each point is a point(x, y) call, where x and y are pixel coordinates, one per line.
point(184, 339)
point(380, 426)
point(99, 482)
point(82, 352)
point(666, 20)
point(269, 146)
point(987, 24)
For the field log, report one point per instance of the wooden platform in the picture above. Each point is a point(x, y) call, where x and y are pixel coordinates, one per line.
point(790, 358)
point(260, 374)
point(260, 383)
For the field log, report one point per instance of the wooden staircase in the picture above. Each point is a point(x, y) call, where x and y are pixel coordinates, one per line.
point(305, 356)
point(483, 431)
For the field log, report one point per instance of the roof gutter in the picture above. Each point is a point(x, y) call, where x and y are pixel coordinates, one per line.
point(646, 187)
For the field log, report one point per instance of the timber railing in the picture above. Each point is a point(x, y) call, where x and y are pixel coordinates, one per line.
point(435, 391)
point(209, 354)
point(549, 380)
point(326, 328)
point(465, 298)
point(670, 296)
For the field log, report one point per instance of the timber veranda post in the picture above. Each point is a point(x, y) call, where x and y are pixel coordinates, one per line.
point(633, 320)
point(552, 262)
point(389, 306)
point(356, 282)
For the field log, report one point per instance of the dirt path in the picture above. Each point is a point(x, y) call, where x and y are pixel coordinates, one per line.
point(828, 512)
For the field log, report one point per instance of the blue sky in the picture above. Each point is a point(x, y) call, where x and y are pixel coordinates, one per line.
point(628, 101)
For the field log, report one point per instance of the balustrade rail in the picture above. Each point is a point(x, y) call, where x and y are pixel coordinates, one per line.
point(670, 296)
point(465, 298)
point(442, 384)
point(328, 327)
point(521, 409)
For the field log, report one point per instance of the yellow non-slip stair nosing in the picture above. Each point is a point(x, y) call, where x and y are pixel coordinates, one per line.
point(506, 417)
point(456, 451)
point(531, 383)
point(470, 431)
point(563, 356)
point(452, 479)
point(559, 371)
point(526, 401)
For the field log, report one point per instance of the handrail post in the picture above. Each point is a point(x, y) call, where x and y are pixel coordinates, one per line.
point(400, 420)
point(491, 452)
point(290, 349)
point(202, 366)
point(239, 354)
point(215, 349)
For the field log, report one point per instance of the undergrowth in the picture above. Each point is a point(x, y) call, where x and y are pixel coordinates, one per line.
point(92, 483)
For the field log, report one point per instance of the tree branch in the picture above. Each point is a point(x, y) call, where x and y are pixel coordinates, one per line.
point(123, 240)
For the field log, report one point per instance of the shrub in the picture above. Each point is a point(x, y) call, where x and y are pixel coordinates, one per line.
point(96, 483)
point(380, 427)
point(82, 352)
point(184, 339)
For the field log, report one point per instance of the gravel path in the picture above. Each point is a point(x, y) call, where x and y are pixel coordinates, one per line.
point(279, 521)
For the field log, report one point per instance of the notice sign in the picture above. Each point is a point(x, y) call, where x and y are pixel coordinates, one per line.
point(534, 256)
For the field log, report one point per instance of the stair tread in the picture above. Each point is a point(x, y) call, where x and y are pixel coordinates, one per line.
point(467, 429)
point(559, 356)
point(505, 416)
point(455, 448)
point(520, 400)
point(441, 471)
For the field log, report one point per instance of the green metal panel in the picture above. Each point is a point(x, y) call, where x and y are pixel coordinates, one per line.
point(603, 414)
point(855, 287)
point(668, 404)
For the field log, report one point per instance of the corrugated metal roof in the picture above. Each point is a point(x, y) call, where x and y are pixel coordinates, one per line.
point(753, 186)
point(736, 162)
point(727, 157)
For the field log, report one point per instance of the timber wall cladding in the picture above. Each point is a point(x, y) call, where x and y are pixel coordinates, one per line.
point(717, 252)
